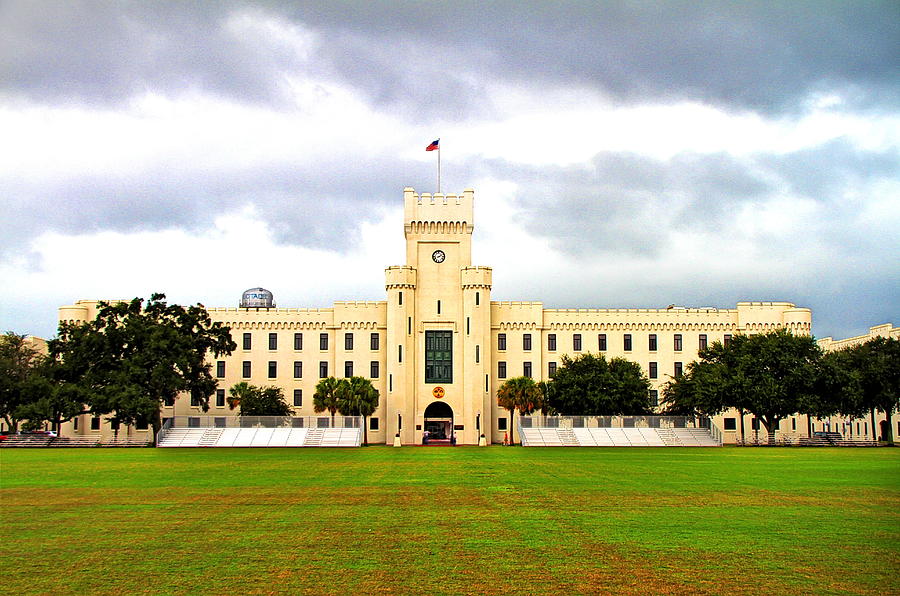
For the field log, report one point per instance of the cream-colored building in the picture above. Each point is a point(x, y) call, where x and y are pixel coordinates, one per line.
point(437, 347)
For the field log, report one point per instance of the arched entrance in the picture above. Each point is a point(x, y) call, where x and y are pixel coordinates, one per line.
point(438, 423)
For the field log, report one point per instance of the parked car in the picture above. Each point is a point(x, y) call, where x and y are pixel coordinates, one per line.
point(45, 433)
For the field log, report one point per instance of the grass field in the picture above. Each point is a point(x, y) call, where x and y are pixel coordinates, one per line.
point(450, 521)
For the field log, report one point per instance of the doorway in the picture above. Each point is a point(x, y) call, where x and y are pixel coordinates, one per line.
point(438, 427)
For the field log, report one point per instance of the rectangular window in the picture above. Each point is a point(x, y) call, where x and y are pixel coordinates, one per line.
point(551, 369)
point(727, 339)
point(373, 423)
point(399, 353)
point(375, 342)
point(390, 382)
point(195, 401)
point(273, 341)
point(323, 341)
point(576, 342)
point(467, 325)
point(95, 423)
point(348, 341)
point(348, 369)
point(601, 342)
point(526, 342)
point(477, 354)
point(551, 342)
point(501, 341)
point(323, 369)
point(247, 342)
point(730, 423)
point(438, 356)
point(701, 343)
point(400, 298)
point(408, 325)
point(794, 425)
point(678, 369)
point(298, 369)
point(220, 398)
point(298, 341)
point(652, 342)
point(141, 425)
point(501, 369)
point(374, 369)
point(75, 423)
point(298, 397)
point(273, 369)
point(220, 369)
point(501, 423)
point(754, 423)
point(245, 369)
point(678, 343)
point(526, 369)
point(654, 398)
point(626, 342)
point(653, 373)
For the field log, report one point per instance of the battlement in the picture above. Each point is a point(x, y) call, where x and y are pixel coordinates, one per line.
point(438, 207)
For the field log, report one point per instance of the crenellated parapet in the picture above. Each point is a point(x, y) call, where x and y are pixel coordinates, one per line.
point(400, 277)
point(476, 278)
point(438, 213)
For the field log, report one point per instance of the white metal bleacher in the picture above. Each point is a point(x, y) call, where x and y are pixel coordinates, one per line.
point(617, 437)
point(261, 437)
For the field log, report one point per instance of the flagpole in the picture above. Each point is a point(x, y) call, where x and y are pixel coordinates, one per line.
point(439, 169)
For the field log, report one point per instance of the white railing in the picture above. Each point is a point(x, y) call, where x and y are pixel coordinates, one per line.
point(535, 421)
point(325, 421)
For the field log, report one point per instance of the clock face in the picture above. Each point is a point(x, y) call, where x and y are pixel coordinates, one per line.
point(438, 256)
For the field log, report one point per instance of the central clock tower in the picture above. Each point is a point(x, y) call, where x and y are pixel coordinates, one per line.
point(438, 325)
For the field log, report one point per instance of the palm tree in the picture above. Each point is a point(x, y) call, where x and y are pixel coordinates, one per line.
point(358, 397)
point(326, 396)
point(522, 394)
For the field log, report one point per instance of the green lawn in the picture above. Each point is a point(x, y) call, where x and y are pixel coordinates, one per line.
point(462, 520)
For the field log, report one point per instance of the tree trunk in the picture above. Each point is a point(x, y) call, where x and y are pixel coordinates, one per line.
point(771, 427)
point(512, 440)
point(809, 426)
point(156, 425)
point(743, 437)
point(365, 432)
point(890, 429)
point(874, 427)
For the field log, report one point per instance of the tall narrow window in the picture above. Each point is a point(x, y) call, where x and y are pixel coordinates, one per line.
point(273, 369)
point(95, 423)
point(626, 342)
point(390, 382)
point(526, 369)
point(298, 341)
point(247, 342)
point(438, 356)
point(298, 369)
point(323, 341)
point(551, 342)
point(601, 342)
point(273, 341)
point(678, 369)
point(653, 371)
point(551, 369)
point(467, 325)
point(727, 339)
point(220, 398)
point(701, 343)
point(298, 397)
point(501, 369)
point(576, 342)
point(400, 298)
point(373, 369)
point(348, 369)
point(526, 342)
point(477, 354)
point(501, 341)
point(400, 353)
point(477, 298)
point(409, 325)
point(220, 369)
point(323, 369)
point(652, 342)
point(439, 307)
point(678, 342)
point(375, 342)
point(195, 401)
point(245, 369)
point(348, 341)
point(654, 397)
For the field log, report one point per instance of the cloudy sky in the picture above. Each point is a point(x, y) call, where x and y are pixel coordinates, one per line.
point(623, 154)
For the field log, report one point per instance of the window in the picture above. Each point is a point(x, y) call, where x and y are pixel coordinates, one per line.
point(730, 423)
point(501, 423)
point(298, 369)
point(348, 369)
point(551, 369)
point(601, 342)
point(501, 341)
point(298, 341)
point(438, 356)
point(390, 382)
point(298, 397)
point(551, 342)
point(142, 425)
point(323, 341)
point(220, 369)
point(654, 398)
point(399, 353)
point(439, 307)
point(374, 369)
point(195, 401)
point(526, 369)
point(220, 398)
point(273, 369)
point(247, 343)
point(526, 342)
point(576, 342)
point(477, 298)
point(273, 341)
point(323, 369)
point(477, 354)
point(501, 370)
point(794, 425)
point(754, 423)
point(75, 423)
point(348, 341)
point(678, 369)
point(653, 372)
point(701, 344)
point(467, 325)
point(245, 369)
point(375, 342)
point(400, 298)
point(627, 342)
point(727, 339)
point(408, 325)
point(95, 423)
point(652, 343)
point(678, 343)
point(373, 423)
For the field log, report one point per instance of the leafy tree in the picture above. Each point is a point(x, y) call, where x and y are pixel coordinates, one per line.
point(25, 382)
point(257, 401)
point(135, 355)
point(591, 385)
point(357, 396)
point(876, 367)
point(327, 396)
point(522, 394)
